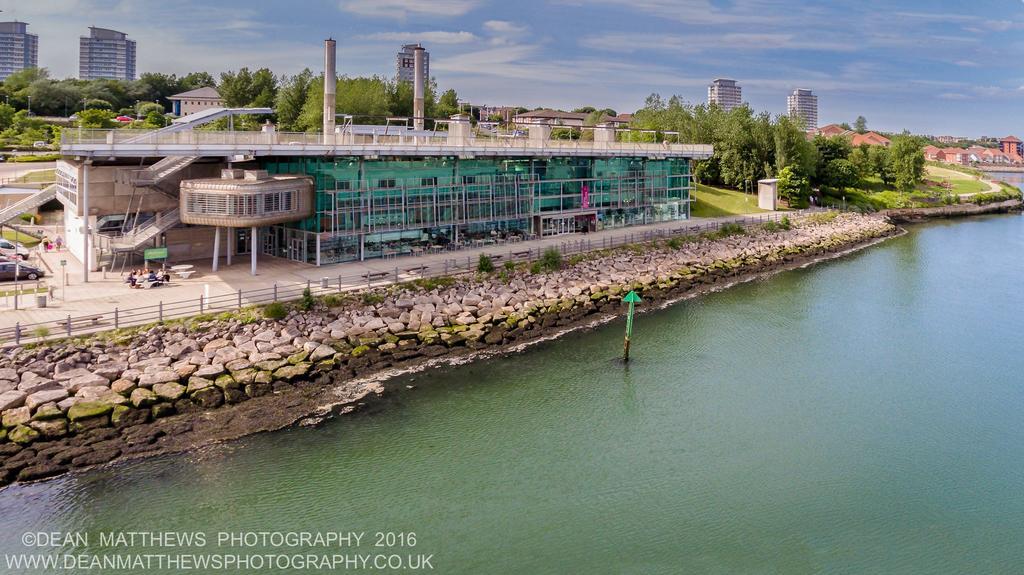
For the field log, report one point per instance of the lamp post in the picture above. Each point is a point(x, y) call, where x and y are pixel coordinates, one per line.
point(30, 105)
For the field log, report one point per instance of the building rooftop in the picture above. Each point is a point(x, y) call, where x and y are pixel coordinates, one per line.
point(1010, 139)
point(204, 92)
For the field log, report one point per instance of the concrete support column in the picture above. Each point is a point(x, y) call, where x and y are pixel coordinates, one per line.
point(86, 234)
point(216, 247)
point(230, 239)
point(255, 242)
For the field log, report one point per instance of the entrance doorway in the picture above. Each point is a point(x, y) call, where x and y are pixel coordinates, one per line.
point(243, 241)
point(296, 249)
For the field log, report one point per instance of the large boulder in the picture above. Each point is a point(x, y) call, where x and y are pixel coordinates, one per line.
point(23, 435)
point(321, 352)
point(169, 391)
point(11, 399)
point(85, 380)
point(16, 416)
point(151, 379)
point(209, 371)
point(290, 372)
point(40, 397)
point(142, 397)
point(89, 410)
point(50, 428)
point(123, 416)
point(208, 397)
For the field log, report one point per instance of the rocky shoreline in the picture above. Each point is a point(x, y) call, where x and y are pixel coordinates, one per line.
point(75, 404)
point(904, 215)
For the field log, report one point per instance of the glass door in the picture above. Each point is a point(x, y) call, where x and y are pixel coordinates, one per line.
point(243, 241)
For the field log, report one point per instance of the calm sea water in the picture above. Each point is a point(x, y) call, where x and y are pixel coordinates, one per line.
point(865, 415)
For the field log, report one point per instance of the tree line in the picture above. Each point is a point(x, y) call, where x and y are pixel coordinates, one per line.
point(750, 146)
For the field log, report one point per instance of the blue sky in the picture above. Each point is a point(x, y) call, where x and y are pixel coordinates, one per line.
point(940, 67)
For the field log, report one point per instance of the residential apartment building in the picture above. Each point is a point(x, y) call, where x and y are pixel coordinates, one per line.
point(803, 104)
point(106, 54)
point(725, 93)
point(405, 68)
point(1012, 147)
point(18, 49)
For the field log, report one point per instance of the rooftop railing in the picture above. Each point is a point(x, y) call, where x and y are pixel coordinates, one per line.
point(75, 141)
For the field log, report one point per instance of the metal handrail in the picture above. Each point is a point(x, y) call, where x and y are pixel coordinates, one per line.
point(163, 311)
point(356, 142)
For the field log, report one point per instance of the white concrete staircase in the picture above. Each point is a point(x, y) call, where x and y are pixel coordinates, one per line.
point(161, 170)
point(140, 235)
point(30, 203)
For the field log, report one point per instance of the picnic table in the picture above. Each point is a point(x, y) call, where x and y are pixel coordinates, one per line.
point(184, 271)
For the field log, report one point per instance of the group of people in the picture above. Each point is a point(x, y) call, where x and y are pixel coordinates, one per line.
point(48, 245)
point(138, 277)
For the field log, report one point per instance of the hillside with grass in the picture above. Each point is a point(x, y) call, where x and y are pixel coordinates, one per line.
point(712, 202)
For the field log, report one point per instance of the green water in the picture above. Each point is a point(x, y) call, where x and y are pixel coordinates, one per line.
point(860, 416)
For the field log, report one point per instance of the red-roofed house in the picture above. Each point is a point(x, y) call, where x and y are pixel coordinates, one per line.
point(833, 130)
point(871, 139)
point(932, 154)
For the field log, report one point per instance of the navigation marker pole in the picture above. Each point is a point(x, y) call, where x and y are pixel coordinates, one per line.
point(632, 299)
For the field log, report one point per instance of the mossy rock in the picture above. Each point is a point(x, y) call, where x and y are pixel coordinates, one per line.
point(208, 398)
point(161, 409)
point(23, 435)
point(298, 357)
point(197, 383)
point(88, 410)
point(142, 397)
point(257, 389)
point(360, 350)
point(45, 412)
point(124, 416)
point(263, 377)
point(290, 372)
point(3, 435)
point(83, 425)
point(244, 376)
point(51, 428)
point(270, 364)
point(226, 382)
point(391, 338)
point(325, 365)
point(369, 341)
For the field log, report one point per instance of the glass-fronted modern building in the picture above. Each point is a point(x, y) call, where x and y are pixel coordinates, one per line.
point(376, 191)
point(373, 207)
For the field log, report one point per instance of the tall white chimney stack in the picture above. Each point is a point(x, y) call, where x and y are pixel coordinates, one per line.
point(330, 87)
point(418, 110)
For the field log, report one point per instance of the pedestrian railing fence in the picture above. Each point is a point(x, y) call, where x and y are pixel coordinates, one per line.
point(407, 269)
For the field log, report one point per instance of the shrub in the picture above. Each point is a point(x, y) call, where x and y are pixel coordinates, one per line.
point(334, 300)
point(485, 265)
point(784, 223)
point(770, 226)
point(510, 267)
point(42, 332)
point(674, 243)
point(308, 301)
point(370, 298)
point(535, 268)
point(275, 311)
point(427, 284)
point(27, 218)
point(551, 260)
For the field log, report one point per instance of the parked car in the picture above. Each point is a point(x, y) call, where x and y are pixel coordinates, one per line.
point(40, 144)
point(25, 271)
point(13, 249)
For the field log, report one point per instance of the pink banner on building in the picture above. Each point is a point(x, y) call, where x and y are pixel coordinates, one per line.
point(586, 196)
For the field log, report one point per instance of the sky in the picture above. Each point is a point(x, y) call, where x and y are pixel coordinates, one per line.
point(935, 67)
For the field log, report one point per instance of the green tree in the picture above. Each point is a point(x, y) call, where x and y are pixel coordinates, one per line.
point(448, 104)
point(879, 159)
point(6, 116)
point(906, 162)
point(248, 89)
point(197, 80)
point(861, 160)
point(291, 98)
point(793, 187)
point(860, 125)
point(97, 104)
point(96, 119)
point(147, 108)
point(841, 173)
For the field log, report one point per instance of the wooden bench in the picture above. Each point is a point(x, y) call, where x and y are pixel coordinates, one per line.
point(495, 257)
point(376, 275)
point(78, 321)
point(524, 253)
point(417, 269)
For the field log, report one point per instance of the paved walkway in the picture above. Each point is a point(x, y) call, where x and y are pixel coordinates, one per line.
point(105, 292)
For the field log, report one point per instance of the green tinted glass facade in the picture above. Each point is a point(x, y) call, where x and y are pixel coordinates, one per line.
point(370, 207)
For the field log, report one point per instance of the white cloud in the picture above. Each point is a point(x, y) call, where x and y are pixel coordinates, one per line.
point(402, 9)
point(431, 37)
point(698, 43)
point(504, 27)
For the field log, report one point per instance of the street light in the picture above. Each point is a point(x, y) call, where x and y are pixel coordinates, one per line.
point(30, 105)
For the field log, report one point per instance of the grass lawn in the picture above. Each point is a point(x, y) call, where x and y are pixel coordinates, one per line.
point(39, 176)
point(961, 183)
point(712, 202)
point(25, 239)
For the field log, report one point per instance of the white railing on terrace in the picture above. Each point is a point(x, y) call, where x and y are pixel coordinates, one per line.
point(85, 140)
